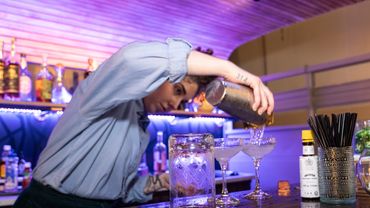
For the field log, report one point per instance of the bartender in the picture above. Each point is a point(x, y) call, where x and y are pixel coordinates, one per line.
point(93, 153)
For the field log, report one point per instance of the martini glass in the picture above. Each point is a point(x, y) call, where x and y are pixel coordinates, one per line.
point(257, 147)
point(225, 149)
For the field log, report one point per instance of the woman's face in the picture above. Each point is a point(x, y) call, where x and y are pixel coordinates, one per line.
point(169, 96)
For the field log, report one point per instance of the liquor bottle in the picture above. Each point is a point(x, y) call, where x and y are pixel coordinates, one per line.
point(4, 160)
point(143, 169)
point(90, 67)
point(27, 175)
point(2, 69)
point(11, 76)
point(74, 82)
point(44, 83)
point(159, 155)
point(59, 94)
point(21, 169)
point(25, 80)
point(11, 176)
point(308, 169)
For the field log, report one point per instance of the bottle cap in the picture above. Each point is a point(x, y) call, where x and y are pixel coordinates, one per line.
point(27, 165)
point(160, 136)
point(307, 136)
point(7, 147)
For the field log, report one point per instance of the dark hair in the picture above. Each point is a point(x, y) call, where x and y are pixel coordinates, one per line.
point(202, 82)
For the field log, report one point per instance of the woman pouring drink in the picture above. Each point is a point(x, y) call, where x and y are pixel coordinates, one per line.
point(93, 153)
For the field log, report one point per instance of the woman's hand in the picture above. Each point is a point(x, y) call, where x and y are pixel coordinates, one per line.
point(157, 182)
point(263, 97)
point(200, 64)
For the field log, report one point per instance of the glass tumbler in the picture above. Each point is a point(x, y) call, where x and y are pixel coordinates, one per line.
point(192, 170)
point(337, 175)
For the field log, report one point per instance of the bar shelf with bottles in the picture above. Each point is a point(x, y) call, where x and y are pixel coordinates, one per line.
point(45, 87)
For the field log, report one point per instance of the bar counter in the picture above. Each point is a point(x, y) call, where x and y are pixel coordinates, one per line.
point(291, 201)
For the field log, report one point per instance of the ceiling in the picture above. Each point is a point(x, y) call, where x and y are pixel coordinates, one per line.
point(70, 31)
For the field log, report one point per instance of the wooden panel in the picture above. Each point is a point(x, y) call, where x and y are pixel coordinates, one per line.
point(71, 31)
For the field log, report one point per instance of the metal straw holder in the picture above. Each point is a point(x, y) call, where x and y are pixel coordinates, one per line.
point(337, 175)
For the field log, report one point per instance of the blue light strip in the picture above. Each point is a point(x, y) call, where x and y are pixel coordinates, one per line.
point(172, 118)
point(26, 111)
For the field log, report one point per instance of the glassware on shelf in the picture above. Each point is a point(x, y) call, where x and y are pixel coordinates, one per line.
point(59, 94)
point(225, 149)
point(44, 83)
point(257, 147)
point(192, 170)
point(25, 81)
point(363, 170)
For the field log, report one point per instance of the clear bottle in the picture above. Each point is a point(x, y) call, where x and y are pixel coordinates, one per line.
point(59, 94)
point(90, 67)
point(308, 169)
point(11, 178)
point(44, 83)
point(143, 167)
point(74, 82)
point(27, 175)
point(11, 76)
point(21, 169)
point(159, 155)
point(2, 69)
point(25, 81)
point(4, 160)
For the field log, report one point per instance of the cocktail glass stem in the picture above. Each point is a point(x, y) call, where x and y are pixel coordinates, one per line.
point(256, 163)
point(225, 199)
point(257, 194)
point(224, 191)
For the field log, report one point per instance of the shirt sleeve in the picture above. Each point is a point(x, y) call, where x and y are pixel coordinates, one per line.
point(136, 191)
point(132, 73)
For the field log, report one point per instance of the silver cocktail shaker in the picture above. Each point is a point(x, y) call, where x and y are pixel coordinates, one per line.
point(236, 100)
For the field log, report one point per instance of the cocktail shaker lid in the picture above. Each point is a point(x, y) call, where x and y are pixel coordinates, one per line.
point(215, 92)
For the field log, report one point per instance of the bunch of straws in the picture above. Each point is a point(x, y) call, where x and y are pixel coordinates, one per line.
point(337, 133)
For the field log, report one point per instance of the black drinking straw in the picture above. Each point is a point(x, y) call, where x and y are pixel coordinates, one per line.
point(335, 132)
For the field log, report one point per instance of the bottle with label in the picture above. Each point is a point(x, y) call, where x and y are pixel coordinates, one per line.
point(159, 155)
point(90, 67)
point(60, 95)
point(2, 69)
point(4, 160)
point(44, 83)
point(308, 169)
point(11, 76)
point(27, 175)
point(25, 81)
point(11, 176)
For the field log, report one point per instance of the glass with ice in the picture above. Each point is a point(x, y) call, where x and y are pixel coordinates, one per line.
point(191, 166)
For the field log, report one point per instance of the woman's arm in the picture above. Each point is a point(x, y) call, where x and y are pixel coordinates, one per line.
point(205, 65)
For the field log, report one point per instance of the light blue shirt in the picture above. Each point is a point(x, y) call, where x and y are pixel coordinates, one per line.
point(95, 149)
